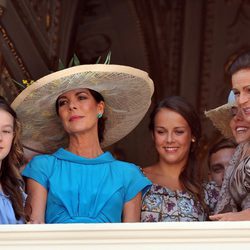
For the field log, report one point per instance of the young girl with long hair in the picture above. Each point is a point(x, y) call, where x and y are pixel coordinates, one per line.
point(11, 156)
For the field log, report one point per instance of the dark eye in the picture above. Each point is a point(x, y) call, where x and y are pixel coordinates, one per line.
point(217, 168)
point(6, 131)
point(61, 102)
point(179, 132)
point(82, 97)
point(159, 132)
point(236, 93)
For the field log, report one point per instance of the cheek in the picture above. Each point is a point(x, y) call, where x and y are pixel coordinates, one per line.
point(8, 144)
point(231, 124)
point(217, 178)
point(247, 118)
point(186, 140)
point(186, 146)
point(158, 139)
point(62, 115)
point(214, 175)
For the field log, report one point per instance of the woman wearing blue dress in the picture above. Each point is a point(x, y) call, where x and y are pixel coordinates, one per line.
point(11, 195)
point(82, 110)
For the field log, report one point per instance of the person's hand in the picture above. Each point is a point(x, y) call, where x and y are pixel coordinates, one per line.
point(31, 221)
point(232, 216)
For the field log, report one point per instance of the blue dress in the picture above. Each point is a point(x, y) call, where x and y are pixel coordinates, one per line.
point(83, 190)
point(7, 215)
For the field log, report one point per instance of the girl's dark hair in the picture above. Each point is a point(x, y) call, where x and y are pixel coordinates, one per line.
point(101, 121)
point(190, 177)
point(10, 177)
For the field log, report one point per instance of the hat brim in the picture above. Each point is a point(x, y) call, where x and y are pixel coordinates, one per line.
point(126, 91)
point(221, 117)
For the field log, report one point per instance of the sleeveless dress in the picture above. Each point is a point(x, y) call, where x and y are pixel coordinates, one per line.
point(83, 190)
point(161, 204)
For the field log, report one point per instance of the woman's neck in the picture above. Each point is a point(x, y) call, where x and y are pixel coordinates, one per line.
point(165, 175)
point(171, 170)
point(83, 145)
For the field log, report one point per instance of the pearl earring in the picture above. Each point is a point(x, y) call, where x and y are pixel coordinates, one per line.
point(193, 140)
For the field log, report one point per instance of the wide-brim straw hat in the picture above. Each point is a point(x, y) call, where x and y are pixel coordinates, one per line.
point(222, 115)
point(126, 91)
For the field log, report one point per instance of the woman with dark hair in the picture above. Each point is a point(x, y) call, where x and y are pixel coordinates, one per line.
point(234, 199)
point(77, 182)
point(177, 193)
point(11, 156)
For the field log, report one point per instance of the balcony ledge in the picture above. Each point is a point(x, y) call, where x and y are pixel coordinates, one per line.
point(119, 236)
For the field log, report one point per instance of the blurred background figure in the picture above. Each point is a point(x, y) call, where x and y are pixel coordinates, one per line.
point(219, 156)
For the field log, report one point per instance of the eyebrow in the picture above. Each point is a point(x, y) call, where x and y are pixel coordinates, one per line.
point(247, 86)
point(217, 165)
point(235, 89)
point(183, 127)
point(7, 126)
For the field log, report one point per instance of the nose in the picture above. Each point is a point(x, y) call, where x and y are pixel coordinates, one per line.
point(239, 115)
point(72, 105)
point(169, 137)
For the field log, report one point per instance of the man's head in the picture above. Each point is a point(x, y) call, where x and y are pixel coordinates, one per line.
point(219, 156)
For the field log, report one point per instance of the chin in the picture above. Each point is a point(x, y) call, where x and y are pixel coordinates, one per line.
point(241, 139)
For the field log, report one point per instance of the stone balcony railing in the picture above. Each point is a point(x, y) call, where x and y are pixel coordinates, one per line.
point(129, 236)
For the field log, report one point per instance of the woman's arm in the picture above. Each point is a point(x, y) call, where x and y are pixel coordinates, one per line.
point(132, 209)
point(232, 216)
point(36, 202)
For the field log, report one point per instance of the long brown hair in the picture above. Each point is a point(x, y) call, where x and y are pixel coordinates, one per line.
point(190, 177)
point(10, 177)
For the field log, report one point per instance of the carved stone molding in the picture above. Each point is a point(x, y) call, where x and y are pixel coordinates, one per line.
point(7, 88)
point(42, 20)
point(110, 25)
point(11, 47)
point(162, 24)
point(2, 7)
point(1, 10)
point(206, 52)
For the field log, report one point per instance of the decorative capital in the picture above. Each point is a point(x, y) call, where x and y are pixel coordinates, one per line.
point(3, 4)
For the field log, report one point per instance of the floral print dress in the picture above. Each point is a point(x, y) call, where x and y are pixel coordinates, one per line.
point(162, 204)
